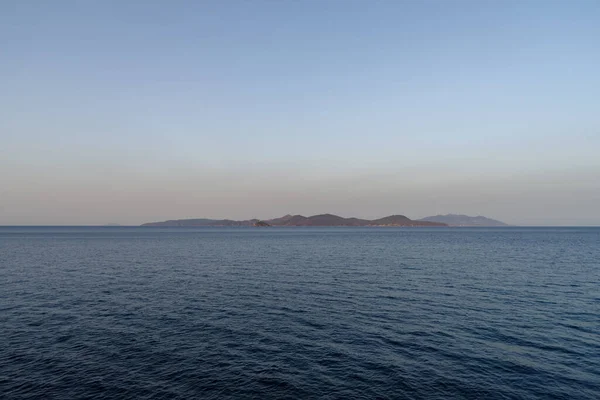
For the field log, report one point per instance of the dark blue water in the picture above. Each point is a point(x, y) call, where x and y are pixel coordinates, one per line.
point(339, 313)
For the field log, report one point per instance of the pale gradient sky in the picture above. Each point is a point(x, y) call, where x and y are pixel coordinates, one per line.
point(135, 111)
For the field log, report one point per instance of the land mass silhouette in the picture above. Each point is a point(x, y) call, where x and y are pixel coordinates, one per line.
point(463, 220)
point(300, 220)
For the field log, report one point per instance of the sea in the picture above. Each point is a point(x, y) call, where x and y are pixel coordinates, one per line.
point(299, 313)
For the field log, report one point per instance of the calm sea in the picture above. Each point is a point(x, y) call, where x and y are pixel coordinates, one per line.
point(330, 313)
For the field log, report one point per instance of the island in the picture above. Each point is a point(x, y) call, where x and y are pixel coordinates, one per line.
point(464, 220)
point(300, 220)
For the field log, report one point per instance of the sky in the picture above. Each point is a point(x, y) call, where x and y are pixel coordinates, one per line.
point(135, 111)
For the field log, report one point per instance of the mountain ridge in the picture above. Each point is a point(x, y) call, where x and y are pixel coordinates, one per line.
point(463, 220)
point(300, 220)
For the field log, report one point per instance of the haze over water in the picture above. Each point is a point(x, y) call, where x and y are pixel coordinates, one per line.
point(130, 112)
point(331, 313)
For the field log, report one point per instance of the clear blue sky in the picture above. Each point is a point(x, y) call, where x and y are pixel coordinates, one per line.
point(135, 111)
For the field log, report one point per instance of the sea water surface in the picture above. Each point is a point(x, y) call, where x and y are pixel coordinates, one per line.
point(328, 313)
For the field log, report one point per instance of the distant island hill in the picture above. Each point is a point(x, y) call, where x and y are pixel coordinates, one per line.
point(334, 220)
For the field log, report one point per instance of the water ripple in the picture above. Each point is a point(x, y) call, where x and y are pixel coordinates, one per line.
point(299, 313)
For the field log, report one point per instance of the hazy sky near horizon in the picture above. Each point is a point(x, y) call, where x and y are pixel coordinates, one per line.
point(135, 111)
